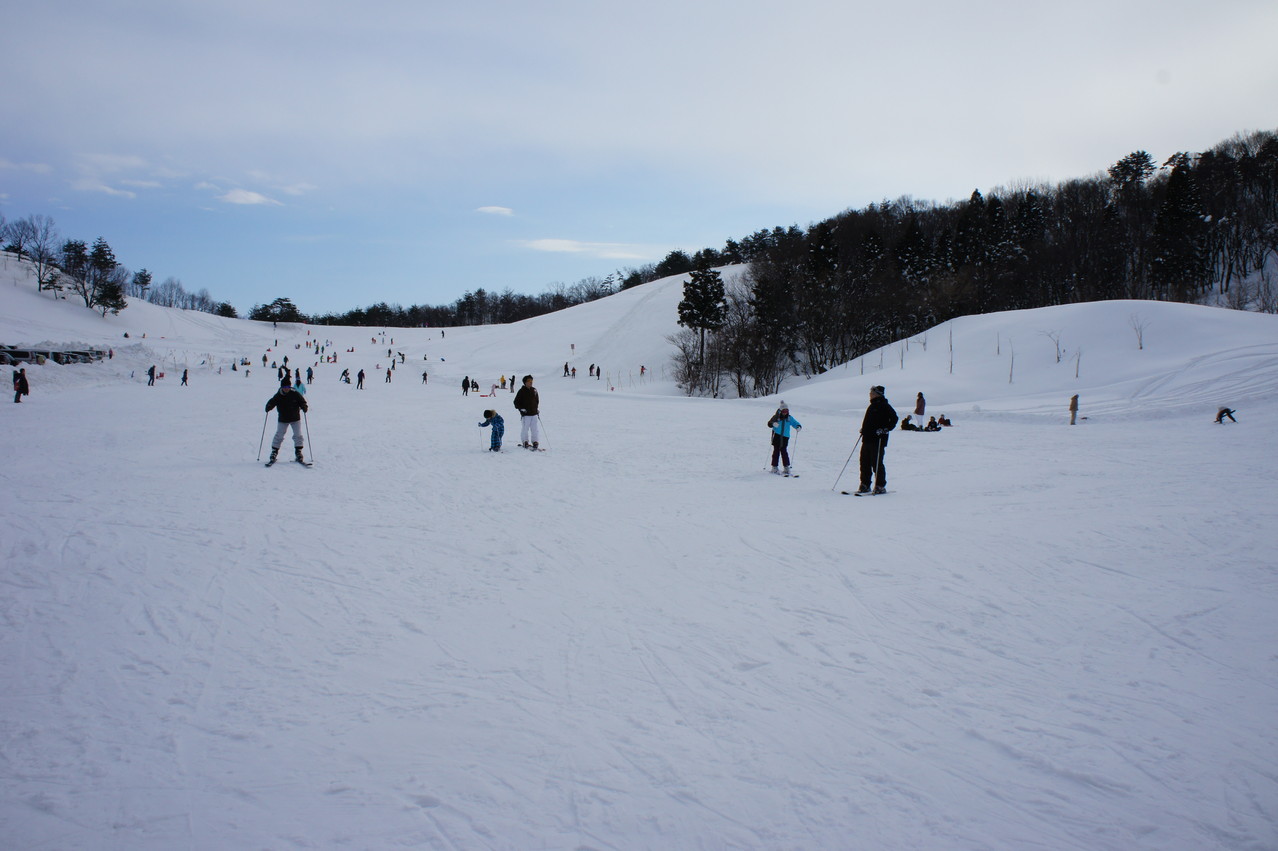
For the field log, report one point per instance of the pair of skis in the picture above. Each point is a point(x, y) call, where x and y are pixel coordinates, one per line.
point(295, 461)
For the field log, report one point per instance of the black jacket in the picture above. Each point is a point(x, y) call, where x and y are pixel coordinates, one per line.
point(526, 401)
point(289, 403)
point(880, 416)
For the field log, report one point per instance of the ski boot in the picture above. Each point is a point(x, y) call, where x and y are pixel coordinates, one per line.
point(297, 455)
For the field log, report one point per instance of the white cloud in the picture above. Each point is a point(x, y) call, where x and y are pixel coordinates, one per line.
point(36, 168)
point(496, 211)
point(244, 196)
point(607, 250)
point(298, 188)
point(92, 184)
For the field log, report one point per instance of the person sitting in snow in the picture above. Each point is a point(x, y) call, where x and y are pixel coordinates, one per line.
point(781, 423)
point(944, 421)
point(932, 425)
point(492, 418)
point(906, 425)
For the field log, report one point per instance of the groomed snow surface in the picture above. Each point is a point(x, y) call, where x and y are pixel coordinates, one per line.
point(1045, 637)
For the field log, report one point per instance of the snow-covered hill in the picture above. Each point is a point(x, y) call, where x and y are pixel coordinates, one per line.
point(1045, 637)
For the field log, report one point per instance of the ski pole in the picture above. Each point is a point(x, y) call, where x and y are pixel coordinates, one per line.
point(879, 473)
point(541, 426)
point(307, 423)
point(847, 462)
point(263, 440)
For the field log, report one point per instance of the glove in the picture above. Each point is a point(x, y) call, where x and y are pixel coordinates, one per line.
point(881, 432)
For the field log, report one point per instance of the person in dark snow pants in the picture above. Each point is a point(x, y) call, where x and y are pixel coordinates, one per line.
point(290, 405)
point(781, 424)
point(20, 385)
point(492, 418)
point(880, 419)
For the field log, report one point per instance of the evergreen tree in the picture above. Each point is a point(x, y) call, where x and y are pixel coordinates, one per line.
point(140, 284)
point(1178, 266)
point(704, 303)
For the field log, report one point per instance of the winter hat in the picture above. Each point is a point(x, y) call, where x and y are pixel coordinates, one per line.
point(783, 406)
point(878, 390)
point(286, 382)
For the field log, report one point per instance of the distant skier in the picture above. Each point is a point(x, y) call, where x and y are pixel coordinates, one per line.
point(388, 376)
point(20, 385)
point(920, 406)
point(359, 380)
point(528, 403)
point(466, 386)
point(880, 419)
point(290, 405)
point(1225, 412)
point(781, 424)
point(150, 376)
point(492, 418)
point(425, 377)
point(184, 377)
point(1073, 409)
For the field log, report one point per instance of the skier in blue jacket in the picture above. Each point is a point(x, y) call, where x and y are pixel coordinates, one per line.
point(781, 424)
point(492, 418)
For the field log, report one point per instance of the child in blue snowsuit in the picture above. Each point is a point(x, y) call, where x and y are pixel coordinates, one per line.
point(492, 418)
point(781, 423)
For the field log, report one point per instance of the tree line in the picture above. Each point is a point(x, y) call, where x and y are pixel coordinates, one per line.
point(1198, 226)
point(92, 272)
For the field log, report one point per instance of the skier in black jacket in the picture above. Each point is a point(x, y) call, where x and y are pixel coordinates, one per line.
point(290, 404)
point(880, 419)
point(527, 403)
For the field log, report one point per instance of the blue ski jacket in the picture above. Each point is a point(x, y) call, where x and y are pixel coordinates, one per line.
point(781, 425)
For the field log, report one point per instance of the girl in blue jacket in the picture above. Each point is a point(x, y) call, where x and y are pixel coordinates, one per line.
point(781, 423)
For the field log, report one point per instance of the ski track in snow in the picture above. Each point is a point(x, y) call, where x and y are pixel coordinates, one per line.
point(1048, 638)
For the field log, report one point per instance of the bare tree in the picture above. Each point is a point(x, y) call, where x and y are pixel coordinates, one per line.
point(20, 233)
point(43, 248)
point(1055, 337)
point(1139, 324)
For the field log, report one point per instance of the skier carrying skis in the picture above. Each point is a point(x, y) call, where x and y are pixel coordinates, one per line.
point(880, 419)
point(290, 405)
point(492, 418)
point(781, 423)
point(526, 402)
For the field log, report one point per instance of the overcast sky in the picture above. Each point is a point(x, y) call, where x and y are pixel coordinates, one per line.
point(342, 153)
